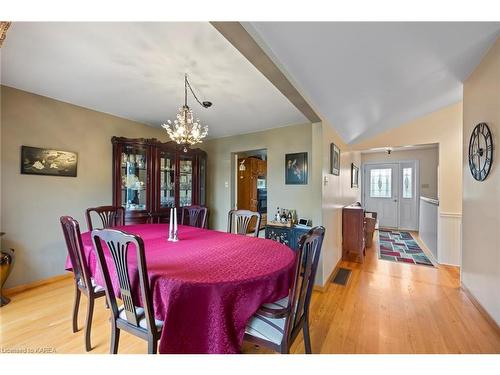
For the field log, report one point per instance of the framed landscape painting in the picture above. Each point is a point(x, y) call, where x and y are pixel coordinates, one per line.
point(334, 159)
point(48, 162)
point(296, 169)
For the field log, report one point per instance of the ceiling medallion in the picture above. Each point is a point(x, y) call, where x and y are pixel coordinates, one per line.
point(185, 130)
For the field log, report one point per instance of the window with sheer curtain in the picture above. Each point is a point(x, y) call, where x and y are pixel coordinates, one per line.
point(381, 183)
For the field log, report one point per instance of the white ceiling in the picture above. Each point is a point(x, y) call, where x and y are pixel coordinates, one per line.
point(365, 78)
point(136, 71)
point(401, 148)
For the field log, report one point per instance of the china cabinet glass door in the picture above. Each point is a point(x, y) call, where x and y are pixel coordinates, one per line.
point(202, 179)
point(167, 180)
point(134, 178)
point(185, 180)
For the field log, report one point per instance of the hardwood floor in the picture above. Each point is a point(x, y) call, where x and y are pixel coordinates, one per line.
point(386, 307)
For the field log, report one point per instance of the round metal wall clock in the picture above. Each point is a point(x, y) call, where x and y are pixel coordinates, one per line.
point(480, 151)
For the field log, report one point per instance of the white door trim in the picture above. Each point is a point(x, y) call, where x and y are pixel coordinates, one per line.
point(364, 189)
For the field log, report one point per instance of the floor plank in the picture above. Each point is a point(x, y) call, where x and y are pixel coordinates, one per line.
point(386, 307)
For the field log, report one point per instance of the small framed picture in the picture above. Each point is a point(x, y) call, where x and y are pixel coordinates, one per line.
point(354, 176)
point(296, 168)
point(334, 160)
point(48, 162)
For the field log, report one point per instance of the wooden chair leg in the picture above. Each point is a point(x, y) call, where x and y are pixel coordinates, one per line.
point(152, 345)
point(88, 322)
point(307, 338)
point(115, 338)
point(285, 349)
point(76, 306)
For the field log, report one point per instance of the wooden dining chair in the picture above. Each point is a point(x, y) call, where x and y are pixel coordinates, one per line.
point(129, 316)
point(242, 220)
point(84, 283)
point(196, 216)
point(155, 217)
point(111, 216)
point(276, 325)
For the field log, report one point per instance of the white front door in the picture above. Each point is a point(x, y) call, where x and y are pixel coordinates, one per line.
point(391, 190)
point(381, 192)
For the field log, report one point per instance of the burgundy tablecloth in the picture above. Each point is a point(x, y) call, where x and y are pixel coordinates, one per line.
point(206, 286)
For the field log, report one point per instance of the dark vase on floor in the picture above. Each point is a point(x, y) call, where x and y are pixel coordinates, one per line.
point(7, 258)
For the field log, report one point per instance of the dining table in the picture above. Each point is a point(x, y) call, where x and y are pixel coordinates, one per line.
point(206, 286)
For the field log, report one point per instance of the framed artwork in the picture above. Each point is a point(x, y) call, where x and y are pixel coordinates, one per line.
point(48, 162)
point(354, 176)
point(296, 168)
point(334, 160)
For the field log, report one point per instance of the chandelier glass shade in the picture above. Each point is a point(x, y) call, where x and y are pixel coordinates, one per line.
point(185, 130)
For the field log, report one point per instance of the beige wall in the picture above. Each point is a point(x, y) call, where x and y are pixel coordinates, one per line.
point(277, 142)
point(336, 192)
point(443, 127)
point(319, 202)
point(32, 205)
point(428, 163)
point(481, 200)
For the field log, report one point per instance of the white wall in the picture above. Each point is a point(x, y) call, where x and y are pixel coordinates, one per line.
point(32, 205)
point(481, 200)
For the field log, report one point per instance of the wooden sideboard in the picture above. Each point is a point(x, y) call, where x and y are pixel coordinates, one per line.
point(353, 237)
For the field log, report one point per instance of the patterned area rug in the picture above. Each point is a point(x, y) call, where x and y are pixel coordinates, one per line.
point(401, 247)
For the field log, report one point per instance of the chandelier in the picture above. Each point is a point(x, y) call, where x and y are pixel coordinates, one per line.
point(185, 130)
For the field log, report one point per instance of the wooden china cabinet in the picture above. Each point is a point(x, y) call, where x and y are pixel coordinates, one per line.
point(150, 177)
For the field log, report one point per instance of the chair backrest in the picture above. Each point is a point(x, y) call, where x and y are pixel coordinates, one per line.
point(372, 214)
point(110, 216)
point(155, 217)
point(73, 238)
point(242, 219)
point(196, 216)
point(118, 243)
point(307, 264)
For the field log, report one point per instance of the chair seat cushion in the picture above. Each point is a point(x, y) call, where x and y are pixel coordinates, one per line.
point(277, 305)
point(97, 288)
point(268, 329)
point(139, 311)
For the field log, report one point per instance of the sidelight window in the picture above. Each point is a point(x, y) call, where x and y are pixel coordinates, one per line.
point(407, 183)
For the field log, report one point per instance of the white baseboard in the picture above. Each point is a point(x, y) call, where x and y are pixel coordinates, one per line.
point(450, 238)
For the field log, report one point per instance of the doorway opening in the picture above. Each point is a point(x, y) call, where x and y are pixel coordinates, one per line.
point(391, 190)
point(250, 183)
point(394, 181)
